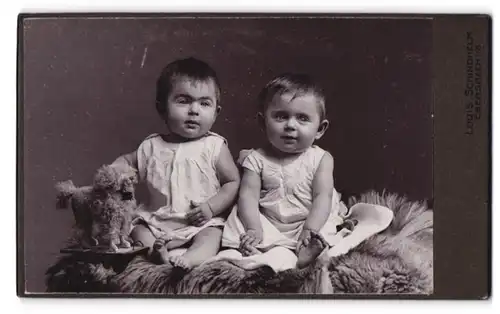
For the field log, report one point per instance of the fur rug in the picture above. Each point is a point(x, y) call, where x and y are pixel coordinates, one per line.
point(397, 261)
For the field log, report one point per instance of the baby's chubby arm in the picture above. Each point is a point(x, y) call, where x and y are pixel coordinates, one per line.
point(322, 187)
point(229, 178)
point(248, 208)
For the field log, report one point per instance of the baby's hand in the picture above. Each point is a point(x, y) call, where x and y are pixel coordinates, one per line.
point(199, 214)
point(249, 250)
point(304, 238)
point(249, 241)
point(251, 238)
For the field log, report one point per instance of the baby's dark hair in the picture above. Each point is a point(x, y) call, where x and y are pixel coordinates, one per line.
point(190, 68)
point(295, 83)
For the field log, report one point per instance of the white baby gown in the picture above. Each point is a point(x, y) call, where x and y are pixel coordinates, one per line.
point(285, 201)
point(176, 174)
point(284, 204)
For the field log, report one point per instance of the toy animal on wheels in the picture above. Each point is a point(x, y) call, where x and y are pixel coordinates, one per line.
point(103, 212)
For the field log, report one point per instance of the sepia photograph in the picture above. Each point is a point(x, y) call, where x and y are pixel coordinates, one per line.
point(227, 155)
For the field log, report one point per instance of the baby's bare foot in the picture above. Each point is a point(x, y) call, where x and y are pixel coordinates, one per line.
point(180, 261)
point(159, 252)
point(158, 244)
point(307, 254)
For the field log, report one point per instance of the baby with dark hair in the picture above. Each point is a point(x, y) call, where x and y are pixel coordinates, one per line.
point(190, 174)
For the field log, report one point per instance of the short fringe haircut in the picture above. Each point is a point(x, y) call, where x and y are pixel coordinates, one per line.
point(297, 84)
point(190, 68)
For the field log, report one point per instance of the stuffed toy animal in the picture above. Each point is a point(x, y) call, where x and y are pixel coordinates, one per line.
point(103, 212)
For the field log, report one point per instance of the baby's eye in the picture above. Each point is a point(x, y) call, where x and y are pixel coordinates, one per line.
point(280, 116)
point(182, 100)
point(303, 118)
point(206, 104)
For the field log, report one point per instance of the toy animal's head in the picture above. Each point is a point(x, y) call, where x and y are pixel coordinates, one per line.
point(116, 179)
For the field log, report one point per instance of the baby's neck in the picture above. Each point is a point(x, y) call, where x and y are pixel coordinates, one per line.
point(280, 156)
point(176, 138)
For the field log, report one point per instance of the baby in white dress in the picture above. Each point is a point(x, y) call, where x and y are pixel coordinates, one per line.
point(189, 171)
point(287, 198)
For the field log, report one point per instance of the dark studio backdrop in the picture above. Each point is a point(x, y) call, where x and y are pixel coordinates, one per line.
point(89, 89)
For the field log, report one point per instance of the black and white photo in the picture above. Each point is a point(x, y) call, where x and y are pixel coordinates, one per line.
point(227, 155)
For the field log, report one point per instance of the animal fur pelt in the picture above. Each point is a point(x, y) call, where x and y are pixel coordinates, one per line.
point(398, 260)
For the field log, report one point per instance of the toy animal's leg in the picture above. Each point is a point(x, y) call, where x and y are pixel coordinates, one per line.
point(114, 233)
point(83, 223)
point(94, 234)
point(80, 237)
point(125, 232)
point(112, 244)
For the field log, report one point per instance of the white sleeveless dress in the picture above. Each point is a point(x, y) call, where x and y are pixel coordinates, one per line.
point(285, 201)
point(176, 174)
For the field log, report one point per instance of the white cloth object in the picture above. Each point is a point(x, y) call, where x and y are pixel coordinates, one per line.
point(278, 258)
point(371, 219)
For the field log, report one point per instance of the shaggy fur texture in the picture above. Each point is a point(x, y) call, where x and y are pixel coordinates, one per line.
point(220, 278)
point(398, 260)
point(103, 212)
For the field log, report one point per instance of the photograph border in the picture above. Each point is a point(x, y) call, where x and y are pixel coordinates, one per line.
point(468, 261)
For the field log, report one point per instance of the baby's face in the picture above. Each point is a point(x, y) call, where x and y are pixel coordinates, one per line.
point(292, 123)
point(191, 107)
